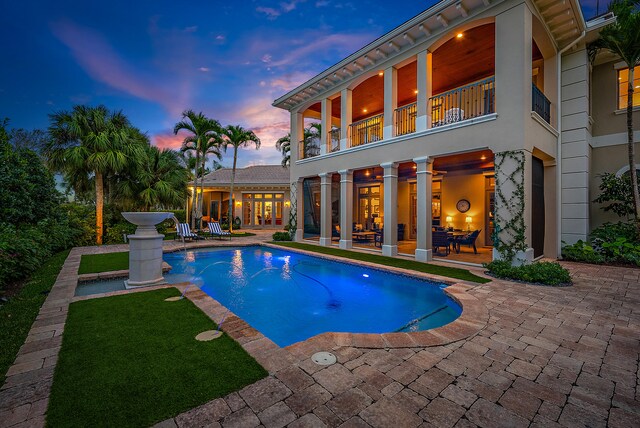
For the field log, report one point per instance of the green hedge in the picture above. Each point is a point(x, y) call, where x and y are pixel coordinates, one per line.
point(547, 273)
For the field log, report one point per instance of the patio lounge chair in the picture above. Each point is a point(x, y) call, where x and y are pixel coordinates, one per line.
point(441, 240)
point(184, 231)
point(469, 240)
point(216, 230)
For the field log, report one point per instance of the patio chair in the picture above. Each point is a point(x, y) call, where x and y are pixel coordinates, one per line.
point(335, 233)
point(469, 240)
point(184, 231)
point(216, 230)
point(453, 115)
point(441, 240)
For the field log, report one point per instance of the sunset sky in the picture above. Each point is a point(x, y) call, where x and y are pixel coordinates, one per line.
point(154, 59)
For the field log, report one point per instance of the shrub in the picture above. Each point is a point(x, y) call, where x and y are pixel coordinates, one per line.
point(281, 236)
point(610, 243)
point(115, 233)
point(581, 252)
point(548, 273)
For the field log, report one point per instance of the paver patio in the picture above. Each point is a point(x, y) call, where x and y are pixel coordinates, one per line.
point(547, 357)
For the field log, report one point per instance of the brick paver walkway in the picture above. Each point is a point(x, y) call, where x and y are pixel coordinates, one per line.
point(547, 357)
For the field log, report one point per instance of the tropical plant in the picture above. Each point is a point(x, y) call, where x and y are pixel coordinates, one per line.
point(236, 136)
point(204, 139)
point(616, 193)
point(159, 181)
point(622, 38)
point(311, 138)
point(91, 142)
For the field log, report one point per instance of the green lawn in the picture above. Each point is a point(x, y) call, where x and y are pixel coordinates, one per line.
point(133, 360)
point(450, 272)
point(17, 315)
point(96, 263)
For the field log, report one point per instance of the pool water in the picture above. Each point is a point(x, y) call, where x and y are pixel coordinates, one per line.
point(290, 297)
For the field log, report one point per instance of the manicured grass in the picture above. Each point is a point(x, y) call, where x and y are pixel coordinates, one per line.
point(133, 360)
point(450, 272)
point(96, 263)
point(17, 315)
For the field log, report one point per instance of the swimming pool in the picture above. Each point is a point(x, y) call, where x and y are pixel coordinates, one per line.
point(290, 297)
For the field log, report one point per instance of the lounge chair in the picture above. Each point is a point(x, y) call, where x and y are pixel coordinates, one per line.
point(469, 240)
point(216, 230)
point(184, 231)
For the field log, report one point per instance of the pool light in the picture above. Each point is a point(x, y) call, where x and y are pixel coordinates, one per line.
point(366, 275)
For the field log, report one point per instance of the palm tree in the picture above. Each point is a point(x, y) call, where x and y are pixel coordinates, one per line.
point(203, 130)
point(622, 38)
point(236, 136)
point(311, 137)
point(91, 141)
point(160, 181)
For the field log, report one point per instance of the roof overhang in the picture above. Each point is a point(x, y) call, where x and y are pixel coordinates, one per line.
point(429, 24)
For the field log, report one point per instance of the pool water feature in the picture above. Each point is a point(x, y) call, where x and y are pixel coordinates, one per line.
point(290, 297)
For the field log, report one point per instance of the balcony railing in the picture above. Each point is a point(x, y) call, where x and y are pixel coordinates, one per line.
point(465, 102)
point(308, 148)
point(540, 104)
point(334, 139)
point(405, 118)
point(366, 131)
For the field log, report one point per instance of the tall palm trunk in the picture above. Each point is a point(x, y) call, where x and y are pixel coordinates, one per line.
point(233, 180)
point(631, 147)
point(201, 195)
point(194, 201)
point(99, 207)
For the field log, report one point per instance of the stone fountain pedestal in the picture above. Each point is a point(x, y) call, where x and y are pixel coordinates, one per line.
point(145, 249)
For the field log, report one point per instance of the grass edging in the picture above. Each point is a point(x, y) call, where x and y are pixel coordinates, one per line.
point(449, 272)
point(19, 313)
point(106, 262)
point(133, 360)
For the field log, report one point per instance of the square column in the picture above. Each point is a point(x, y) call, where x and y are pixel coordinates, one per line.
point(325, 209)
point(424, 79)
point(297, 134)
point(424, 178)
point(390, 244)
point(299, 206)
point(346, 208)
point(325, 126)
point(390, 101)
point(346, 117)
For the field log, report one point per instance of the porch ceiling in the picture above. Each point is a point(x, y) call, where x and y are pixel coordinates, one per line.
point(563, 18)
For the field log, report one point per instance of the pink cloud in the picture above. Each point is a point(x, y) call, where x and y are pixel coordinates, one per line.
point(167, 141)
point(101, 61)
point(269, 11)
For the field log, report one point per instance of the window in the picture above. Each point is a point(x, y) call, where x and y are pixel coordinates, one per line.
point(623, 82)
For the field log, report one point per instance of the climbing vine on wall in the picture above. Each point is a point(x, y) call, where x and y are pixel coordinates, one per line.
point(509, 232)
point(293, 212)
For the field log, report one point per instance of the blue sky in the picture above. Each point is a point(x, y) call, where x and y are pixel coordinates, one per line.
point(154, 59)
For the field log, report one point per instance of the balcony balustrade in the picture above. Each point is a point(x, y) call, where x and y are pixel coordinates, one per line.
point(540, 103)
point(366, 131)
point(466, 102)
point(309, 148)
point(405, 119)
point(334, 139)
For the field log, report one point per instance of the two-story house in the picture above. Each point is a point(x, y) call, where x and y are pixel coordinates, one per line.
point(475, 115)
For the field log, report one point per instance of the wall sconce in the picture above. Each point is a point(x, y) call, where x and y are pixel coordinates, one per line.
point(468, 220)
point(238, 203)
point(448, 219)
point(287, 204)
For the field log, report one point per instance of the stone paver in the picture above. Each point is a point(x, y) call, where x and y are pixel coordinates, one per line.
point(545, 357)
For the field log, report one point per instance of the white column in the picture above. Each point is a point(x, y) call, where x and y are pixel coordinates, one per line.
point(297, 133)
point(346, 116)
point(390, 100)
point(424, 79)
point(424, 176)
point(299, 210)
point(346, 208)
point(390, 244)
point(325, 126)
point(325, 208)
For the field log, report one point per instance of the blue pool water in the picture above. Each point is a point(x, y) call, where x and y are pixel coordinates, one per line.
point(291, 297)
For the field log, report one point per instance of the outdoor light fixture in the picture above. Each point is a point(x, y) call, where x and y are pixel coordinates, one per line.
point(238, 203)
point(469, 220)
point(381, 73)
point(364, 110)
point(365, 275)
point(287, 204)
point(483, 157)
point(415, 92)
point(459, 35)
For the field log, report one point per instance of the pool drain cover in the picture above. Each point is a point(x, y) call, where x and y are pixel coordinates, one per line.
point(172, 299)
point(208, 335)
point(324, 358)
